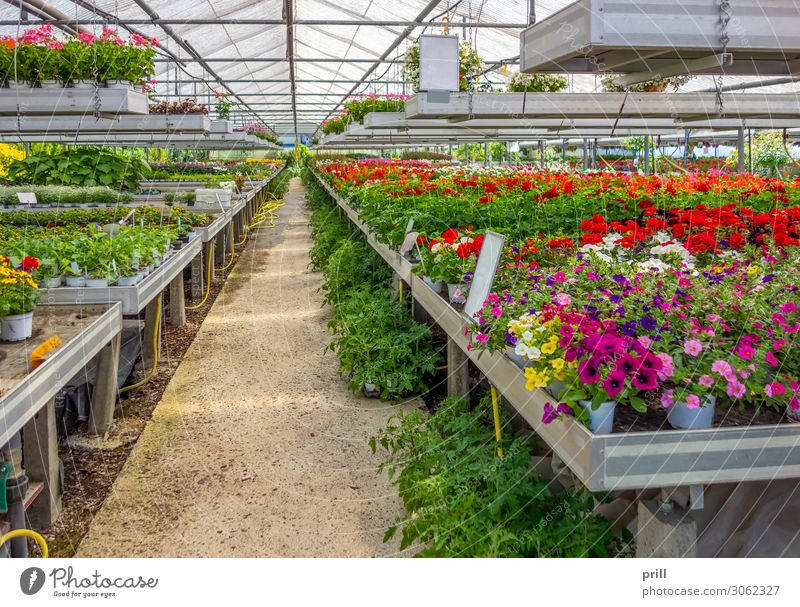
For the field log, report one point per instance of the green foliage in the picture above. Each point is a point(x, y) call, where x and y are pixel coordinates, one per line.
point(658, 85)
point(83, 166)
point(536, 83)
point(769, 153)
point(465, 501)
point(374, 336)
point(64, 194)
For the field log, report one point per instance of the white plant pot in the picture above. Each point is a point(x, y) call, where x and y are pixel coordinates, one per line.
point(140, 277)
point(556, 388)
point(76, 281)
point(97, 283)
point(149, 268)
point(601, 420)
point(83, 84)
point(16, 327)
point(451, 293)
point(51, 84)
point(128, 281)
point(681, 416)
point(371, 390)
point(54, 282)
point(516, 358)
point(119, 84)
point(436, 286)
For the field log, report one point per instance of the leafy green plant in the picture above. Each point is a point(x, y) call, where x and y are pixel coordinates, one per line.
point(64, 195)
point(465, 501)
point(536, 83)
point(79, 167)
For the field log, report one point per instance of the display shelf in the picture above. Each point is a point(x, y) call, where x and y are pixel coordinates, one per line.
point(149, 123)
point(84, 330)
point(602, 36)
point(23, 100)
point(630, 460)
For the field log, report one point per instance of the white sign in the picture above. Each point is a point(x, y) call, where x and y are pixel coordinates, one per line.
point(26, 198)
point(438, 63)
point(485, 270)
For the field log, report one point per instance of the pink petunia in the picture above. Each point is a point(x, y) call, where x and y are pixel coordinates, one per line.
point(788, 307)
point(693, 401)
point(706, 381)
point(667, 399)
point(693, 347)
point(563, 299)
point(736, 389)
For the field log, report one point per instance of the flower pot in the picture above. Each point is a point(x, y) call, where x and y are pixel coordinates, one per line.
point(54, 282)
point(76, 281)
point(456, 293)
point(683, 417)
point(556, 388)
point(601, 419)
point(14, 85)
point(50, 84)
point(82, 84)
point(118, 84)
point(792, 415)
point(516, 358)
point(16, 327)
point(149, 268)
point(436, 286)
point(96, 283)
point(371, 391)
point(128, 281)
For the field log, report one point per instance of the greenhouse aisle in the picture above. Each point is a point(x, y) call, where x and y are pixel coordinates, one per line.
point(257, 447)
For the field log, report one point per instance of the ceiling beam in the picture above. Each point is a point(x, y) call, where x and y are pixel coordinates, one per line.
point(375, 62)
point(321, 22)
point(288, 15)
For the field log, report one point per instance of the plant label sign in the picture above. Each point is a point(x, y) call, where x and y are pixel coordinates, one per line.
point(485, 270)
point(26, 198)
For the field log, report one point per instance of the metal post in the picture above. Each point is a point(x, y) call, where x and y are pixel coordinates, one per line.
point(740, 151)
point(647, 154)
point(749, 151)
point(541, 153)
point(594, 154)
point(686, 149)
point(486, 153)
point(585, 154)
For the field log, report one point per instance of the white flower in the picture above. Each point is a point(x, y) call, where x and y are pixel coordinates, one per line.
point(436, 248)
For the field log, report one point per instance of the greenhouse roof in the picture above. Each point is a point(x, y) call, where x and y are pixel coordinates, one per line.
point(335, 49)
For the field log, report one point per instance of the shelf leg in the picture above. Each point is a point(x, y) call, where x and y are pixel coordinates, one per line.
point(198, 274)
point(457, 370)
point(220, 248)
point(665, 530)
point(419, 313)
point(40, 458)
point(177, 302)
point(148, 353)
point(104, 396)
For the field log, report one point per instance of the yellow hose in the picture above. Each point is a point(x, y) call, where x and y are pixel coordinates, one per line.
point(30, 534)
point(152, 371)
point(233, 253)
point(209, 265)
point(498, 433)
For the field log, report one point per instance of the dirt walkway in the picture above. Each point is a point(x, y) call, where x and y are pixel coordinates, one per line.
point(257, 448)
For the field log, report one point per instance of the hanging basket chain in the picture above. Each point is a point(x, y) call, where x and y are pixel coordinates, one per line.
point(725, 14)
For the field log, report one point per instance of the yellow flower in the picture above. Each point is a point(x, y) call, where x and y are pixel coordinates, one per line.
point(535, 379)
point(558, 363)
point(752, 269)
point(549, 348)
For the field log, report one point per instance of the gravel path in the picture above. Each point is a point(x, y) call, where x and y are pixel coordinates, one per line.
point(257, 447)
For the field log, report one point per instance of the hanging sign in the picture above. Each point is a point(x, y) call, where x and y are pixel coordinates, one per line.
point(26, 198)
point(485, 270)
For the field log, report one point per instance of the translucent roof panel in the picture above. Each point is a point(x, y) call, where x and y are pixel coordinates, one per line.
point(335, 45)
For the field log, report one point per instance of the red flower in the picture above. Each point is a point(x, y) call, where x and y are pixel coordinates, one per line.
point(449, 236)
point(464, 250)
point(28, 264)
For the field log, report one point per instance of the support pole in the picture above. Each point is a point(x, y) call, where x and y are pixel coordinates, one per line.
point(647, 154)
point(665, 531)
point(198, 271)
point(104, 396)
point(40, 459)
point(740, 151)
point(594, 155)
point(151, 326)
point(585, 154)
point(457, 370)
point(177, 302)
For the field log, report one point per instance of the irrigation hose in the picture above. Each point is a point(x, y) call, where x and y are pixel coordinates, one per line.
point(498, 433)
point(209, 265)
point(29, 533)
point(233, 253)
point(153, 370)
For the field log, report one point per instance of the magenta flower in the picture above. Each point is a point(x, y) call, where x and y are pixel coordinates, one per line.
point(588, 371)
point(774, 388)
point(788, 308)
point(559, 276)
point(481, 338)
point(794, 404)
point(693, 347)
point(745, 352)
point(706, 381)
point(736, 389)
point(615, 383)
point(497, 312)
point(770, 358)
point(549, 415)
point(693, 401)
point(645, 380)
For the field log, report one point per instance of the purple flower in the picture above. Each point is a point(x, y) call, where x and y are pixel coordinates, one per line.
point(645, 380)
point(629, 328)
point(649, 323)
point(550, 415)
point(588, 371)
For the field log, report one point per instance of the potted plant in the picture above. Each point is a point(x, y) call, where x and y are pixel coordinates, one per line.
point(18, 297)
point(223, 106)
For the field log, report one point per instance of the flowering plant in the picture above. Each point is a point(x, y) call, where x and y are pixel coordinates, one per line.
point(18, 291)
point(224, 105)
point(449, 259)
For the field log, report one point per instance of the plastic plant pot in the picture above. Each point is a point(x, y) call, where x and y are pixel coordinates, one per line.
point(792, 415)
point(601, 419)
point(16, 327)
point(685, 418)
point(97, 283)
point(456, 293)
point(371, 391)
point(128, 281)
point(556, 388)
point(76, 281)
point(516, 358)
point(54, 282)
point(436, 286)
